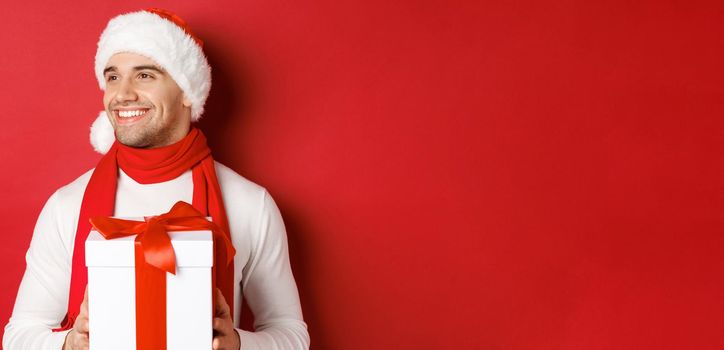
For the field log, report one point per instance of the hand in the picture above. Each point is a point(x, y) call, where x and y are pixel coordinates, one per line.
point(77, 338)
point(225, 336)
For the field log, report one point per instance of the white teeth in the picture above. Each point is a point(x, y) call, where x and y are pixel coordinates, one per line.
point(129, 114)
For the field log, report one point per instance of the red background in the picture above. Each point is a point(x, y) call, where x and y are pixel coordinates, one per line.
point(453, 174)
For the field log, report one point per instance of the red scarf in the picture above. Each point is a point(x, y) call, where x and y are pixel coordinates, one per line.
point(147, 166)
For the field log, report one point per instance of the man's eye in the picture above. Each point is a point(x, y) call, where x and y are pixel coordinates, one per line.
point(144, 76)
point(112, 77)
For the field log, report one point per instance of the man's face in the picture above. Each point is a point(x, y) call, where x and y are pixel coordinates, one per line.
point(145, 106)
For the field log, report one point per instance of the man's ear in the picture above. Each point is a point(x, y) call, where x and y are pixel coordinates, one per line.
point(186, 101)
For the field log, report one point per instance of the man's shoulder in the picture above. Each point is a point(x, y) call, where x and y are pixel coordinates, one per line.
point(240, 194)
point(75, 189)
point(231, 181)
point(65, 202)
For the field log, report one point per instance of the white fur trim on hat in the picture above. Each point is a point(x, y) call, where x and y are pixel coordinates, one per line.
point(102, 135)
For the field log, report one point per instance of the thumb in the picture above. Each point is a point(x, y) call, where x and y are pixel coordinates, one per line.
point(84, 304)
point(221, 308)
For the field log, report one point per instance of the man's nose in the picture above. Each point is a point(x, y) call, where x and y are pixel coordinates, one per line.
point(126, 91)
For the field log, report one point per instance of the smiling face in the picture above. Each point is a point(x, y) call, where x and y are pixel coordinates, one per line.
point(145, 106)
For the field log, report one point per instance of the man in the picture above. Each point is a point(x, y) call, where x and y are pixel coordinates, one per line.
point(156, 80)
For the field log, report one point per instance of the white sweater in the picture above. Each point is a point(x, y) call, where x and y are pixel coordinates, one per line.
point(263, 275)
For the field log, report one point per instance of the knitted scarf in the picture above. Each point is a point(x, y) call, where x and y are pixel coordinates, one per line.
point(147, 166)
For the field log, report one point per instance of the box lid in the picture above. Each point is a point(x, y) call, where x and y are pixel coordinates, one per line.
point(192, 249)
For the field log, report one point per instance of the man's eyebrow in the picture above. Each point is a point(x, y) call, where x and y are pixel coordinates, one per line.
point(136, 68)
point(150, 67)
point(109, 69)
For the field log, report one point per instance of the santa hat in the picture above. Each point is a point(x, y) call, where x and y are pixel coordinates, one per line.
point(163, 37)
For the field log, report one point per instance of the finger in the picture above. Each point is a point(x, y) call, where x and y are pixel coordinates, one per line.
point(83, 343)
point(76, 340)
point(221, 325)
point(84, 304)
point(225, 342)
point(221, 309)
point(82, 339)
point(221, 343)
point(81, 325)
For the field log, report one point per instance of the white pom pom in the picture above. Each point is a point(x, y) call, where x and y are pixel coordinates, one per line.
point(102, 135)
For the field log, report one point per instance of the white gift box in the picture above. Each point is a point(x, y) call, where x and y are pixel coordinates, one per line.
point(112, 292)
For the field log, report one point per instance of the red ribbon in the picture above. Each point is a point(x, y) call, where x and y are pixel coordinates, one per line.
point(154, 256)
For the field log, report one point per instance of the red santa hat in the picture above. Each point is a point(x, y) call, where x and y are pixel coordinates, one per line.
point(163, 37)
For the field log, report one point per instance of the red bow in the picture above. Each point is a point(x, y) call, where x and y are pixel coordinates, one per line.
point(153, 233)
point(154, 256)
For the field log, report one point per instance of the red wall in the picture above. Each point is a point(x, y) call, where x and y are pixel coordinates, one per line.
point(453, 175)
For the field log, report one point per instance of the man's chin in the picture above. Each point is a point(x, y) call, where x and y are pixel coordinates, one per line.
point(132, 140)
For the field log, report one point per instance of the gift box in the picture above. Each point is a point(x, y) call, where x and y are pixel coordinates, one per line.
point(112, 292)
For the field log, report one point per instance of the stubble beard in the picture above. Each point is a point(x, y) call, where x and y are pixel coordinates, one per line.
point(137, 138)
point(147, 135)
